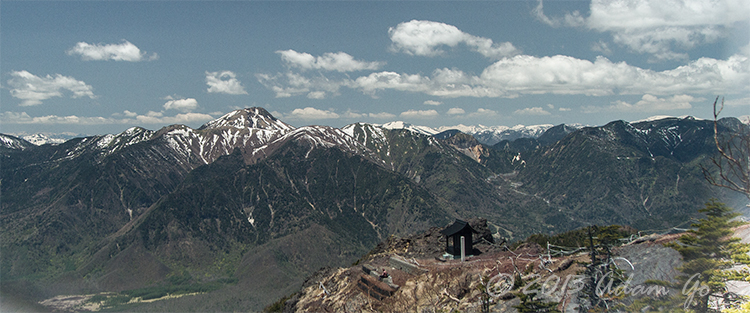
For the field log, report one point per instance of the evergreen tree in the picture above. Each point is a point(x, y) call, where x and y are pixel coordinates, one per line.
point(531, 304)
point(707, 250)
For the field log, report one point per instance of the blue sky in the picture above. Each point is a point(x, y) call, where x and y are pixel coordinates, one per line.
point(94, 67)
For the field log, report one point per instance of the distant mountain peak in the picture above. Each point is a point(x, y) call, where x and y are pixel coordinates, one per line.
point(664, 117)
point(425, 130)
point(13, 142)
point(254, 117)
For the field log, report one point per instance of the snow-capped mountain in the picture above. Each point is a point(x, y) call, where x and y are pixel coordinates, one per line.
point(245, 188)
point(488, 135)
point(39, 139)
point(425, 130)
point(662, 117)
point(13, 142)
point(252, 118)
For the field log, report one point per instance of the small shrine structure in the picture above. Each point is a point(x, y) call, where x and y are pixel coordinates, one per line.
point(453, 234)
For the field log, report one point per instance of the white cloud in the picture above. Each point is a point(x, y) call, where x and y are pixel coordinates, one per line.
point(532, 111)
point(33, 89)
point(382, 115)
point(339, 61)
point(745, 50)
point(153, 118)
point(738, 102)
point(443, 83)
point(224, 82)
point(426, 38)
point(316, 95)
point(432, 102)
point(181, 118)
point(293, 84)
point(524, 74)
point(391, 80)
point(419, 114)
point(601, 46)
point(567, 75)
point(183, 105)
point(633, 14)
point(124, 51)
point(658, 27)
point(571, 19)
point(355, 115)
point(310, 113)
point(481, 112)
point(648, 103)
point(24, 118)
point(552, 107)
point(456, 111)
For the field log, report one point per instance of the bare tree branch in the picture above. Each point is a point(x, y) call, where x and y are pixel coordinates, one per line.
point(732, 162)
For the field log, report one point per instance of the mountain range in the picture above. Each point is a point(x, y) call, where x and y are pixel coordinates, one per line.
point(250, 205)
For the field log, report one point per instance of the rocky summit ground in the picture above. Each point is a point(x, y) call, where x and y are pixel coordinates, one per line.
point(421, 280)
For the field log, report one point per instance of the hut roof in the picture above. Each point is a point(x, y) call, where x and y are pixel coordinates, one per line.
point(456, 227)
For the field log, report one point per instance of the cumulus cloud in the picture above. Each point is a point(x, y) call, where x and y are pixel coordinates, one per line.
point(310, 113)
point(181, 118)
point(33, 89)
point(355, 115)
point(183, 105)
point(532, 111)
point(339, 61)
point(601, 46)
point(482, 112)
point(432, 102)
point(745, 50)
point(568, 75)
point(559, 74)
point(152, 118)
point(382, 115)
point(571, 19)
point(224, 82)
point(443, 83)
point(524, 74)
point(738, 102)
point(456, 111)
point(658, 27)
point(426, 38)
point(392, 80)
point(316, 95)
point(552, 107)
point(291, 84)
point(124, 51)
point(648, 103)
point(419, 114)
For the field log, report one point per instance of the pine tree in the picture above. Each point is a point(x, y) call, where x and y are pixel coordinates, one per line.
point(531, 304)
point(707, 250)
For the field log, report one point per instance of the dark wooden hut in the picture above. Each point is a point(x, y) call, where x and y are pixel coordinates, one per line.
point(453, 235)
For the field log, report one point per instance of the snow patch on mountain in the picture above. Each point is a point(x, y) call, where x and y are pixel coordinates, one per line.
point(745, 119)
point(488, 135)
point(663, 117)
point(491, 135)
point(14, 143)
point(257, 118)
point(425, 130)
point(39, 139)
